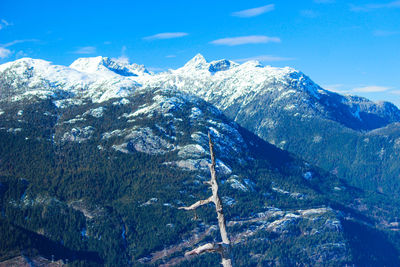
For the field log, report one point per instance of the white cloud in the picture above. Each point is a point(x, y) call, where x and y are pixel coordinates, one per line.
point(4, 52)
point(396, 92)
point(262, 58)
point(371, 89)
point(370, 7)
point(85, 50)
point(170, 56)
point(380, 33)
point(252, 39)
point(123, 58)
point(4, 24)
point(21, 54)
point(165, 35)
point(252, 12)
point(343, 89)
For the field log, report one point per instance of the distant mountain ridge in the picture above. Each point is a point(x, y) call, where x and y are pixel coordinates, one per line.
point(228, 85)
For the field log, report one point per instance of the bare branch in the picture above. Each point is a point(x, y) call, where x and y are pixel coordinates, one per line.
point(209, 247)
point(207, 183)
point(198, 204)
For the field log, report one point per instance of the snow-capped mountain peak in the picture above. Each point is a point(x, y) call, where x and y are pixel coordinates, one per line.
point(39, 78)
point(108, 66)
point(199, 63)
point(41, 73)
point(24, 63)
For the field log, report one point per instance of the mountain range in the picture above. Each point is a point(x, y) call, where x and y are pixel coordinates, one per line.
point(96, 159)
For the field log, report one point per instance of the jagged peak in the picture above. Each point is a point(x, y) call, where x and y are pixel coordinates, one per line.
point(95, 64)
point(197, 62)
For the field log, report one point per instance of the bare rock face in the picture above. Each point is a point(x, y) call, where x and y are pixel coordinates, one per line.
point(143, 140)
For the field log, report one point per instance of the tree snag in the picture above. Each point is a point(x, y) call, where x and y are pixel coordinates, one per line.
point(224, 247)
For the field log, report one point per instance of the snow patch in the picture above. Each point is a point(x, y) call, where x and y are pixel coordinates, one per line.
point(151, 201)
point(314, 211)
point(235, 184)
point(114, 133)
point(192, 151)
point(317, 139)
point(14, 130)
point(195, 113)
point(228, 201)
point(397, 143)
point(78, 134)
point(65, 103)
point(308, 175)
point(75, 120)
point(97, 112)
point(193, 164)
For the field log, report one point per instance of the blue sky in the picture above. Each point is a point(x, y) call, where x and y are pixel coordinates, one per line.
point(346, 46)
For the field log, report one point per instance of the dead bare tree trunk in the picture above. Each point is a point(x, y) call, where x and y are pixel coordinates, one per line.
point(224, 247)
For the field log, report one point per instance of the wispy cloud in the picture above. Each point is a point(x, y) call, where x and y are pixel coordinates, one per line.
point(170, 56)
point(371, 89)
point(123, 58)
point(19, 42)
point(4, 52)
point(396, 92)
point(251, 39)
point(165, 35)
point(21, 54)
point(374, 6)
point(85, 50)
point(308, 13)
point(380, 33)
point(265, 58)
point(348, 89)
point(4, 24)
point(253, 12)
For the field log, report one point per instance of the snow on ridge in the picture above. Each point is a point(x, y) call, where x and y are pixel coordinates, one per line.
point(45, 79)
point(226, 78)
point(225, 82)
point(222, 82)
point(108, 66)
